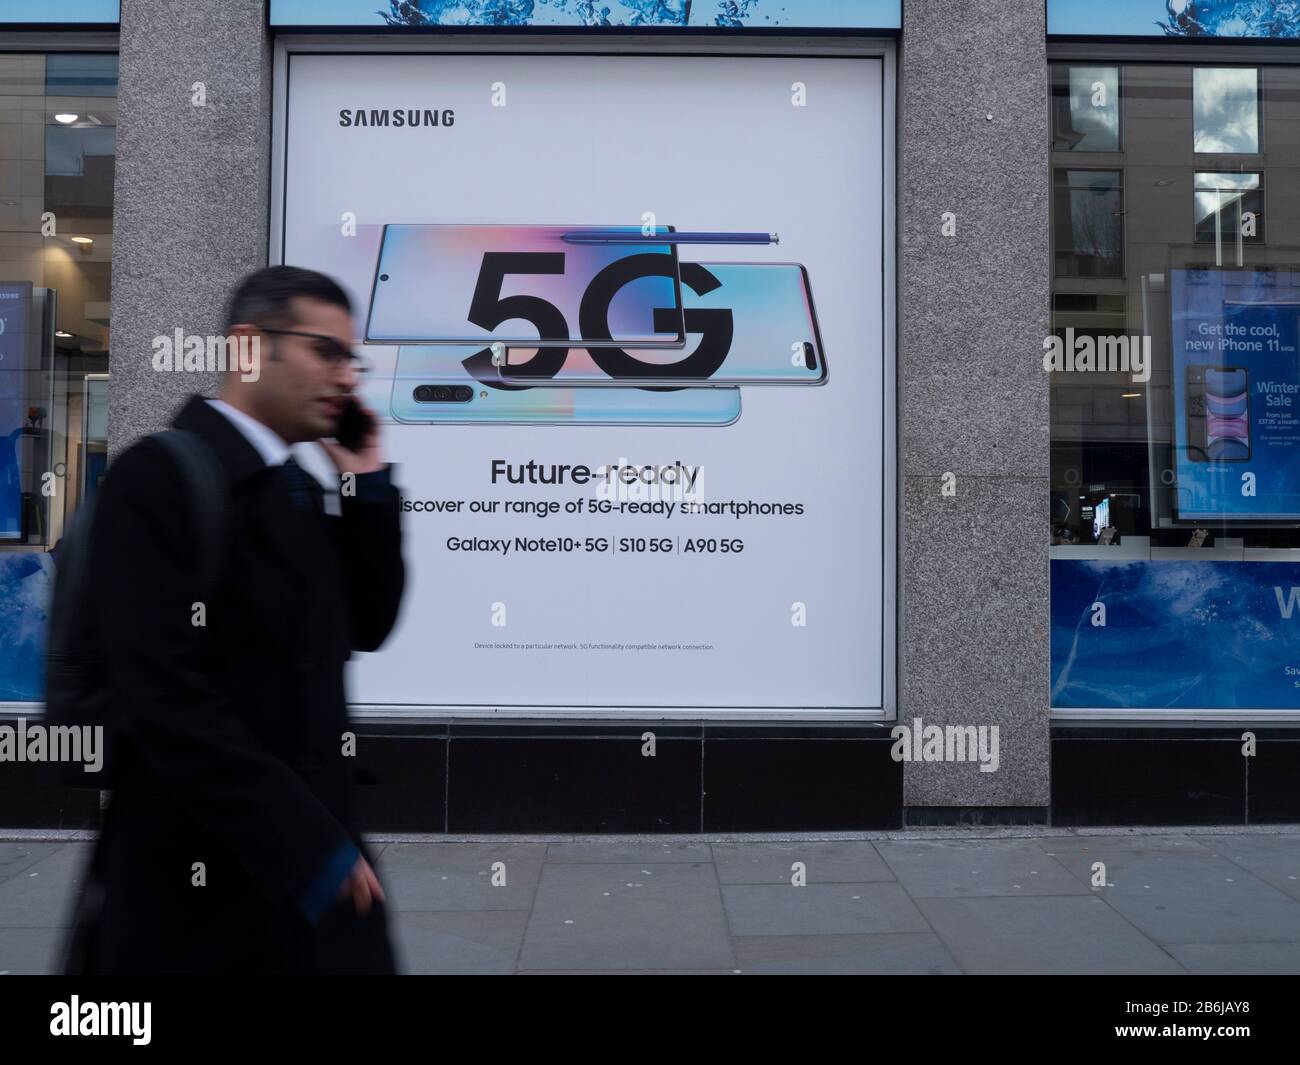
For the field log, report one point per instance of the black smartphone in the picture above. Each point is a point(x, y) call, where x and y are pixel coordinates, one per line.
point(354, 425)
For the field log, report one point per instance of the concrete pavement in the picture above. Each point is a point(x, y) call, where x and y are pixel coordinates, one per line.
point(937, 901)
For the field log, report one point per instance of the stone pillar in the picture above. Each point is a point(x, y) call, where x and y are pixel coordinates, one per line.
point(973, 312)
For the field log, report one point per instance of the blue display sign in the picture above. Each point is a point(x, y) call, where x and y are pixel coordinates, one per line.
point(15, 344)
point(60, 12)
point(26, 587)
point(590, 14)
point(1175, 635)
point(1236, 384)
point(1187, 19)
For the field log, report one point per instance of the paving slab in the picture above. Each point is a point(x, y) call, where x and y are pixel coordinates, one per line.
point(458, 876)
point(458, 942)
point(1046, 935)
point(960, 868)
point(30, 951)
point(1239, 959)
point(42, 895)
point(901, 954)
point(627, 972)
point(820, 909)
point(1191, 896)
point(16, 857)
point(825, 862)
point(649, 850)
point(1274, 859)
point(1075, 846)
point(598, 917)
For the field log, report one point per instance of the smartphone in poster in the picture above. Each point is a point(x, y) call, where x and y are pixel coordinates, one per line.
point(658, 514)
point(1236, 381)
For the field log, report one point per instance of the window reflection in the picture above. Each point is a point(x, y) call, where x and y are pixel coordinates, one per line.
point(1085, 109)
point(1225, 105)
point(1089, 223)
point(1229, 207)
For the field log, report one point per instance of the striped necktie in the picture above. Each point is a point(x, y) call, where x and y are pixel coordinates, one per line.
point(303, 487)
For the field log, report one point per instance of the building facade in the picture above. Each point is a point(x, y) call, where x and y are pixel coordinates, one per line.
point(1012, 537)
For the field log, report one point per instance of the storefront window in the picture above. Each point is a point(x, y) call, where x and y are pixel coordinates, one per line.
point(1175, 391)
point(58, 124)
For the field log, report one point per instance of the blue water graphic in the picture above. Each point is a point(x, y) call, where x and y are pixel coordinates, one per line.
point(1212, 635)
point(726, 14)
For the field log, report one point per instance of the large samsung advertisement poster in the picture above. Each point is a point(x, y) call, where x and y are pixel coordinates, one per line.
point(625, 323)
point(1262, 19)
point(1236, 383)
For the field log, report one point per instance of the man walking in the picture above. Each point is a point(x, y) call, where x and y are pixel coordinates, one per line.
point(228, 844)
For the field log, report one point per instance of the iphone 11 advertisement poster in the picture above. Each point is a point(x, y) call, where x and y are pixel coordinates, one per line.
point(1236, 383)
point(624, 323)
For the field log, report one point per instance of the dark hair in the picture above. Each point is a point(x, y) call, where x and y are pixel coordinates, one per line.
point(262, 298)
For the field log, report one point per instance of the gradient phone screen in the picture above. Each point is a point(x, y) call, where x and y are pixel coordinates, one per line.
point(467, 284)
point(1218, 413)
point(444, 385)
point(745, 322)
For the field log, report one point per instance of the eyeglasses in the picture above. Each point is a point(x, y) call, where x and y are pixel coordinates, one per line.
point(326, 347)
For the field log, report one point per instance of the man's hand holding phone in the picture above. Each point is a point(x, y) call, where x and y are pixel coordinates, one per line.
point(356, 448)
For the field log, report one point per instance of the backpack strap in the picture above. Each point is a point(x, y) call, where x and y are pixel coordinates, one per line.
point(209, 495)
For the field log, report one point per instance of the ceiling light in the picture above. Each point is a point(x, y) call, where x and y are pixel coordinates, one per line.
point(82, 240)
point(1131, 395)
point(62, 335)
point(66, 117)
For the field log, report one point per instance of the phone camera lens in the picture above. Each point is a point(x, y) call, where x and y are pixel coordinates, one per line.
point(423, 394)
point(441, 394)
point(463, 393)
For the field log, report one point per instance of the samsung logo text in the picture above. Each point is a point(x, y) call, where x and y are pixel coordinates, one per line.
point(397, 118)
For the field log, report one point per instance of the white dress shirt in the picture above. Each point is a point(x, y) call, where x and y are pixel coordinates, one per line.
point(267, 442)
point(274, 451)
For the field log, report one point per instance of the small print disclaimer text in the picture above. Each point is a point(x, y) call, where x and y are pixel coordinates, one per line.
point(504, 645)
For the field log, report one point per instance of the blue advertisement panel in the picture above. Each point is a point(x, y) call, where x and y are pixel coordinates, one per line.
point(69, 12)
point(1261, 19)
point(592, 14)
point(1175, 635)
point(15, 343)
point(1236, 383)
point(26, 586)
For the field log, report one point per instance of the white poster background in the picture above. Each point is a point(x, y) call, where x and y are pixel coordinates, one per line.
point(706, 143)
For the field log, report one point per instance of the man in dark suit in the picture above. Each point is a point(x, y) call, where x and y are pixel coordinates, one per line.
point(228, 844)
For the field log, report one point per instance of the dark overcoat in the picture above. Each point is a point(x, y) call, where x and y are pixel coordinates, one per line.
point(228, 744)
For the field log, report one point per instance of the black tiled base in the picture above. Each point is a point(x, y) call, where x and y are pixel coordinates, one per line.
point(568, 782)
point(1174, 776)
point(590, 777)
point(30, 799)
point(401, 782)
point(802, 785)
point(1273, 779)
